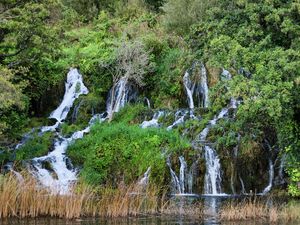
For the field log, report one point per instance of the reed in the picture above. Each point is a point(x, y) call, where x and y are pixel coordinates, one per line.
point(253, 209)
point(27, 199)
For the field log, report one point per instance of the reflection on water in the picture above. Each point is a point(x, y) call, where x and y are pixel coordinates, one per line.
point(127, 221)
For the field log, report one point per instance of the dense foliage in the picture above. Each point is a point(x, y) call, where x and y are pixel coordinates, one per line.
point(257, 41)
point(116, 152)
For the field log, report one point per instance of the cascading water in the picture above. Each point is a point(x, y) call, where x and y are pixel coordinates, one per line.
point(184, 181)
point(212, 181)
point(182, 173)
point(212, 184)
point(196, 88)
point(52, 170)
point(204, 86)
point(73, 88)
point(179, 118)
point(145, 179)
point(154, 121)
point(175, 181)
point(271, 177)
point(120, 94)
point(189, 87)
point(59, 177)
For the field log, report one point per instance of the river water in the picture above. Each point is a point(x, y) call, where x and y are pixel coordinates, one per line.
point(127, 221)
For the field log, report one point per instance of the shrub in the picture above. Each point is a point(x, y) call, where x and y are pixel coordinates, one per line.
point(118, 152)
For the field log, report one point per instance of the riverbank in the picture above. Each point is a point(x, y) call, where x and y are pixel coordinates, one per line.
point(24, 198)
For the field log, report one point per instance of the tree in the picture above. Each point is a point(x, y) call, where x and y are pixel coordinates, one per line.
point(261, 38)
point(130, 64)
point(181, 14)
point(11, 100)
point(28, 49)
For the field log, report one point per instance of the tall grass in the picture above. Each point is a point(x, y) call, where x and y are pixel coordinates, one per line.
point(27, 199)
point(254, 209)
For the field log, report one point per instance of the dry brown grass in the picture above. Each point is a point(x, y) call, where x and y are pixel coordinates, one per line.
point(28, 200)
point(259, 210)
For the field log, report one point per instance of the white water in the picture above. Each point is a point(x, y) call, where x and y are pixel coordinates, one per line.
point(182, 173)
point(154, 121)
point(73, 88)
point(204, 86)
point(119, 95)
point(175, 181)
point(271, 177)
point(179, 118)
point(184, 179)
point(50, 128)
point(198, 88)
point(148, 103)
point(212, 181)
point(189, 87)
point(145, 179)
point(243, 190)
point(59, 179)
point(212, 175)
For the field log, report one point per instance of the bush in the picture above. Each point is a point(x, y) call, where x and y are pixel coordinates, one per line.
point(36, 146)
point(117, 152)
point(181, 14)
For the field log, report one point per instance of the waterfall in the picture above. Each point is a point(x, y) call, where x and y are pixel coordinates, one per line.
point(212, 181)
point(185, 179)
point(52, 170)
point(179, 118)
point(145, 179)
point(73, 88)
point(154, 121)
point(59, 177)
point(182, 173)
point(196, 88)
point(50, 128)
point(243, 191)
point(148, 102)
point(204, 86)
point(189, 87)
point(212, 175)
point(271, 177)
point(175, 181)
point(121, 93)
